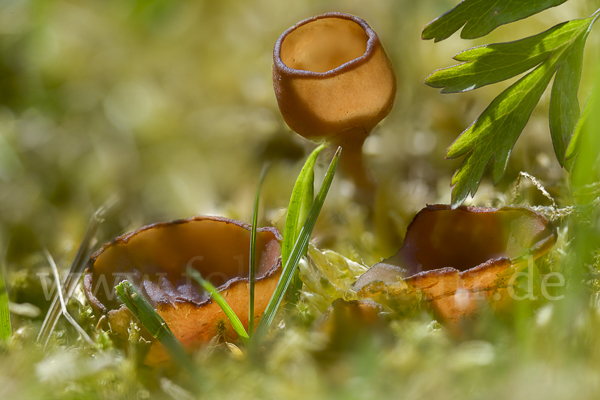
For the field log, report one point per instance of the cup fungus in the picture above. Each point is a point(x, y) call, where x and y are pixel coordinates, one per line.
point(154, 258)
point(334, 81)
point(458, 258)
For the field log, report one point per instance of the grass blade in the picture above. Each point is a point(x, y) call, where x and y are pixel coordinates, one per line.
point(63, 304)
point(231, 315)
point(300, 203)
point(298, 251)
point(252, 273)
point(71, 281)
point(153, 322)
point(5, 328)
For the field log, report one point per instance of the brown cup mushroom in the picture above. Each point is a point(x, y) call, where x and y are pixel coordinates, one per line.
point(459, 258)
point(154, 258)
point(333, 81)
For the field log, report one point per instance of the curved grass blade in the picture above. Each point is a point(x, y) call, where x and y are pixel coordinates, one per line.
point(63, 304)
point(153, 322)
point(298, 251)
point(71, 281)
point(300, 203)
point(231, 315)
point(252, 273)
point(5, 327)
point(480, 17)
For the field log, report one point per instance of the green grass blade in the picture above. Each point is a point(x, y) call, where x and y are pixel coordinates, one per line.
point(298, 251)
point(153, 322)
point(300, 203)
point(5, 328)
point(233, 318)
point(252, 273)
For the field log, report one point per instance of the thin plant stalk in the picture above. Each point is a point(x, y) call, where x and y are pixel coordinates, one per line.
point(63, 304)
point(298, 251)
point(71, 281)
point(252, 272)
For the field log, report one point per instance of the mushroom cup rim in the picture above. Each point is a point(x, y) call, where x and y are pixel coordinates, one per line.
point(124, 239)
point(372, 43)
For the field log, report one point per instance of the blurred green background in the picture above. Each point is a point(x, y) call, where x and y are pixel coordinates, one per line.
point(169, 106)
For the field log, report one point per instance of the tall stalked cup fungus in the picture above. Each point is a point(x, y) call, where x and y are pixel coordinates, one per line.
point(457, 259)
point(334, 82)
point(154, 258)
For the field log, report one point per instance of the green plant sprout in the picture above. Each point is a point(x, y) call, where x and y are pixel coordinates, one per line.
point(300, 203)
point(298, 251)
point(556, 52)
point(297, 205)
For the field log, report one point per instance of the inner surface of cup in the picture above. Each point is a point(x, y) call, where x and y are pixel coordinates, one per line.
point(324, 44)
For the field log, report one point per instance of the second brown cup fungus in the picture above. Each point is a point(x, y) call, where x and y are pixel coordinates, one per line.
point(333, 81)
point(155, 258)
point(457, 259)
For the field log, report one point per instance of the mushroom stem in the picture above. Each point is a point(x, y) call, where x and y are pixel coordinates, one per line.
point(352, 163)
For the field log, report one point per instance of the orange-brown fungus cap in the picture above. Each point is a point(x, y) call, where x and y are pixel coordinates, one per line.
point(332, 78)
point(455, 257)
point(154, 259)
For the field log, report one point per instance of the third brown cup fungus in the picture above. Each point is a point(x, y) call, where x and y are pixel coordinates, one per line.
point(333, 81)
point(155, 258)
point(458, 259)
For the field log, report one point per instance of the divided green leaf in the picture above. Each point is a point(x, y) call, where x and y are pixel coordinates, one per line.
point(480, 17)
point(492, 136)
